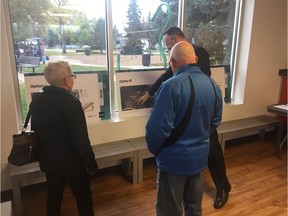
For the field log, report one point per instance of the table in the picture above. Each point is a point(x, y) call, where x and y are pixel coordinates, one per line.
point(279, 109)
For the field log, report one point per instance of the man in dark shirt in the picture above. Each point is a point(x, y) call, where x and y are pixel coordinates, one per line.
point(216, 161)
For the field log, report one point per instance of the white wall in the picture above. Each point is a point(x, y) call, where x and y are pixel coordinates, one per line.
point(266, 54)
point(261, 56)
point(9, 123)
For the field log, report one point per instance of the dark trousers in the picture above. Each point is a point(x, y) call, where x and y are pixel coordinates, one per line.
point(80, 187)
point(175, 192)
point(216, 164)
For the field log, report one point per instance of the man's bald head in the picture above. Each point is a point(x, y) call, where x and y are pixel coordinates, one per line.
point(181, 54)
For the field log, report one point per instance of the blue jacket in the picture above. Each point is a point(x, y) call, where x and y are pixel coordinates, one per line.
point(189, 155)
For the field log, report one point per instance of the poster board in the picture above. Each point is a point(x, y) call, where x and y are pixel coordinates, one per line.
point(132, 85)
point(218, 75)
point(86, 88)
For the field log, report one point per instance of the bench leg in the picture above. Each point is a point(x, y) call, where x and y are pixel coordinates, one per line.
point(17, 201)
point(279, 131)
point(126, 166)
point(222, 141)
point(280, 147)
point(140, 169)
point(135, 168)
point(279, 143)
point(262, 134)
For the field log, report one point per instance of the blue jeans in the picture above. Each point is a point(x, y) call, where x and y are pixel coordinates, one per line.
point(178, 192)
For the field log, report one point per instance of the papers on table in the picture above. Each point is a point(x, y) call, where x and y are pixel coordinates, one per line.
point(282, 106)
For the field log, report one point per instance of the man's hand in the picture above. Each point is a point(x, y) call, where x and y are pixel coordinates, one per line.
point(141, 100)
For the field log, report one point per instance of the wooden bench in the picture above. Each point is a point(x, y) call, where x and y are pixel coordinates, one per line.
point(107, 155)
point(28, 62)
point(226, 131)
point(6, 209)
point(114, 153)
point(249, 126)
point(142, 153)
point(80, 50)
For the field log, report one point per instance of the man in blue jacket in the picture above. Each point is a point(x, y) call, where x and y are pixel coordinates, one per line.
point(180, 165)
point(216, 162)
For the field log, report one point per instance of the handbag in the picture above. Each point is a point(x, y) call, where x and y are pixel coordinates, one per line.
point(25, 146)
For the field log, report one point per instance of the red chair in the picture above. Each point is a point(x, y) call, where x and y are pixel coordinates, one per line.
point(283, 100)
point(283, 91)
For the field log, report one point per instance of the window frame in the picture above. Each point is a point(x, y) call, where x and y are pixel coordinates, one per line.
point(182, 11)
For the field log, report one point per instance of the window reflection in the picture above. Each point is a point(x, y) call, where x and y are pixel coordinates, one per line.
point(75, 31)
point(137, 26)
point(72, 31)
point(211, 25)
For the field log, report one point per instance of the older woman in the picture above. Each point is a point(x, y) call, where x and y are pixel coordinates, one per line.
point(65, 153)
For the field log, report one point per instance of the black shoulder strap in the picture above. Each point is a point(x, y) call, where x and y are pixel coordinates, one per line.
point(26, 120)
point(177, 132)
point(34, 97)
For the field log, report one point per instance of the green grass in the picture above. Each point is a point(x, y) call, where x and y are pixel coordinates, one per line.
point(75, 68)
point(57, 53)
point(23, 99)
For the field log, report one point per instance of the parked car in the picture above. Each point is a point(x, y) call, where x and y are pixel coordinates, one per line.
point(72, 46)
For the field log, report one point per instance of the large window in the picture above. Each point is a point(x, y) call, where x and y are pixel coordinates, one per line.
point(211, 25)
point(78, 32)
point(137, 27)
point(72, 31)
point(137, 34)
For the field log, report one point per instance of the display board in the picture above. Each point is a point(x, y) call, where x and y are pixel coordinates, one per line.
point(218, 75)
point(86, 88)
point(132, 85)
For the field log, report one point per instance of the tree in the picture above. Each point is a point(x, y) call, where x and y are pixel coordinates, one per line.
point(209, 24)
point(150, 34)
point(134, 46)
point(85, 33)
point(174, 11)
point(60, 15)
point(98, 35)
point(161, 19)
point(115, 33)
point(61, 3)
point(51, 39)
point(28, 20)
point(69, 37)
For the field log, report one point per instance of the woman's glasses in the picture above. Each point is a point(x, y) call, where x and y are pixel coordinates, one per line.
point(73, 76)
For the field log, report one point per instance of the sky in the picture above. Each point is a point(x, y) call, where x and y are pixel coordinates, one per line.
point(96, 8)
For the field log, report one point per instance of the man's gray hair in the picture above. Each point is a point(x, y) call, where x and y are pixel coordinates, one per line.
point(56, 72)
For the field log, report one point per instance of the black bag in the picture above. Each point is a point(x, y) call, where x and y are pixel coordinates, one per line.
point(25, 146)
